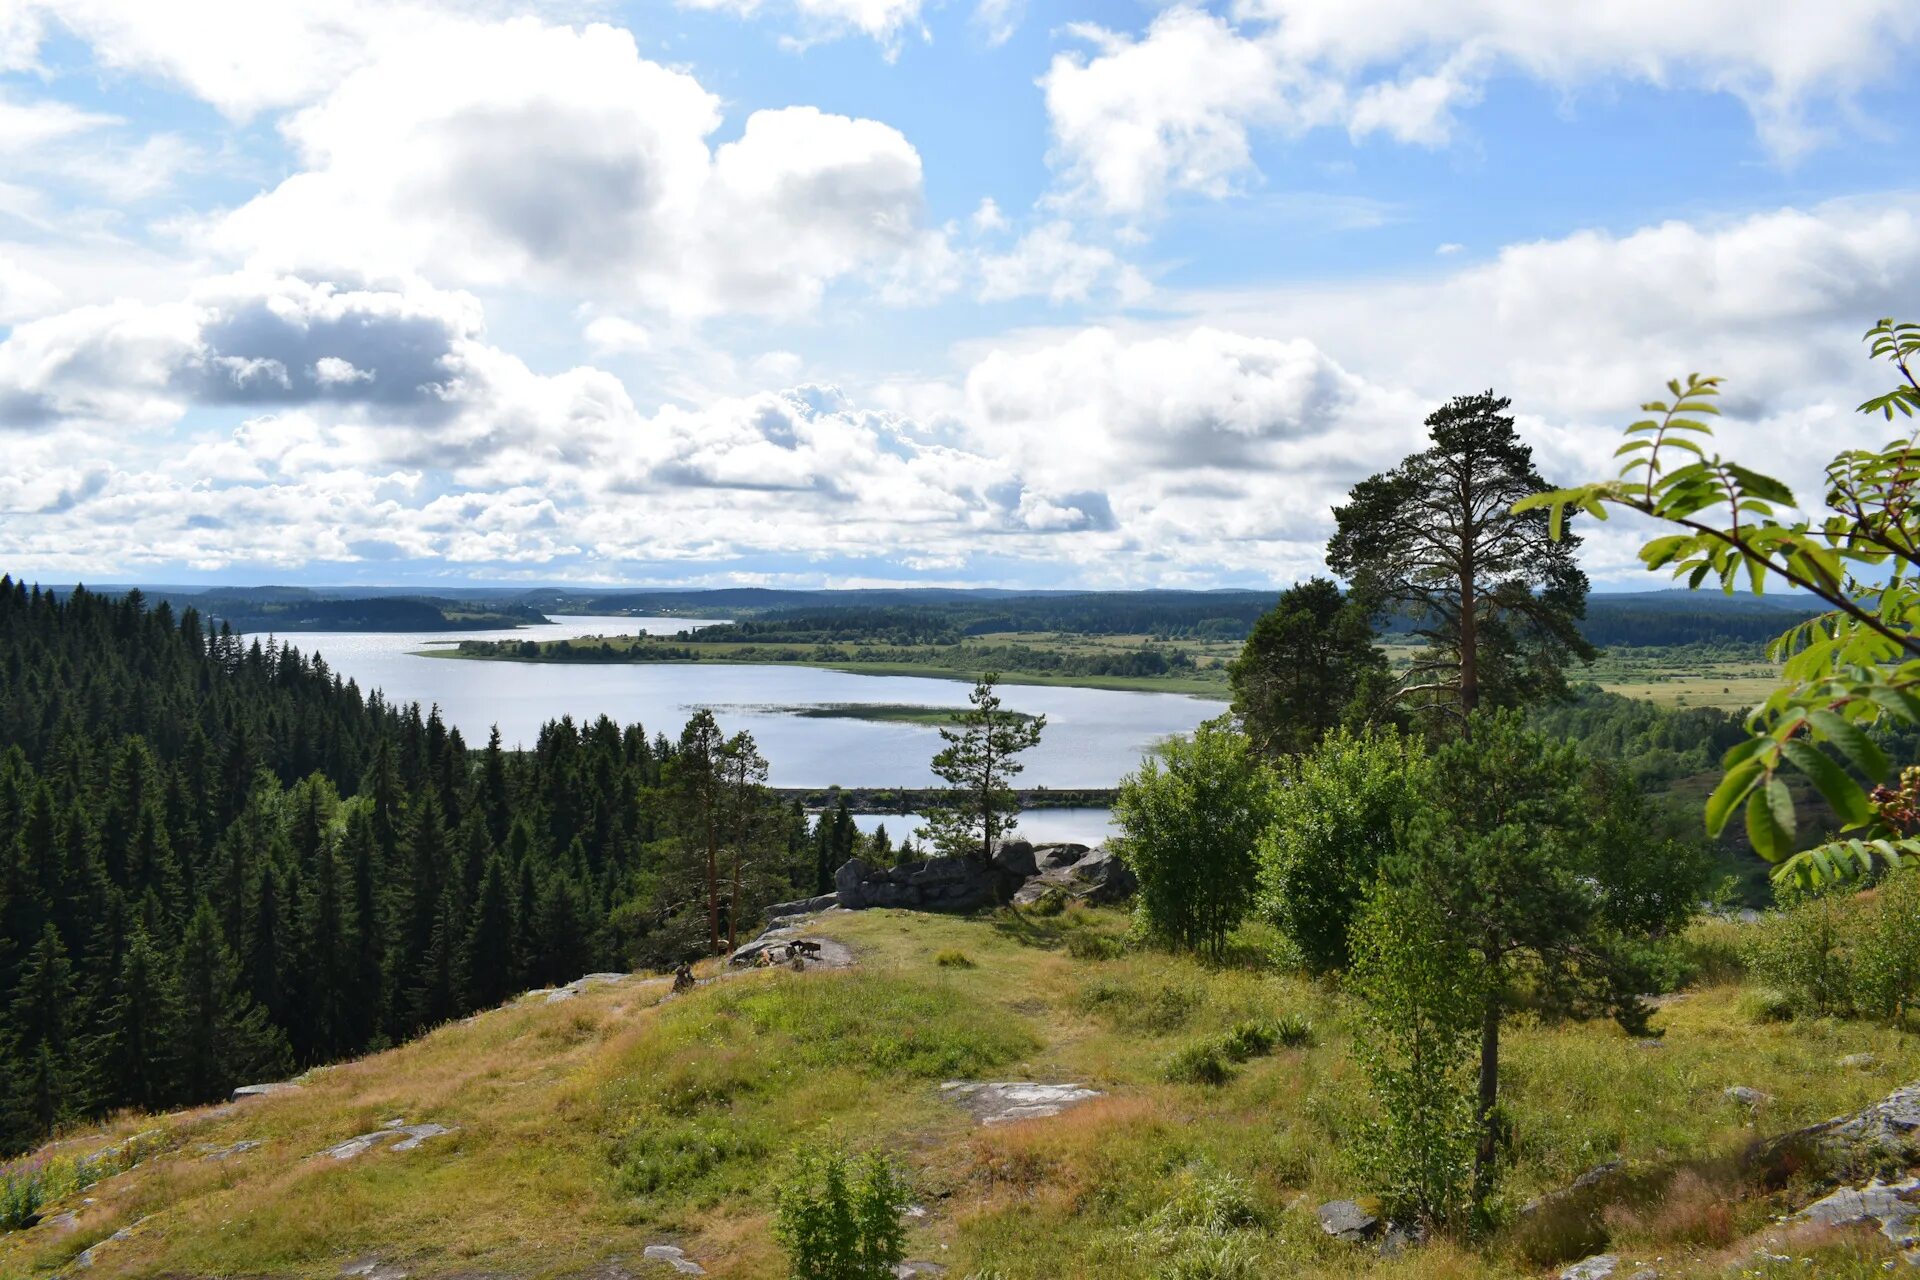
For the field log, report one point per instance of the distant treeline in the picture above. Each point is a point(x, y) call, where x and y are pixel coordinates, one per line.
point(257, 610)
point(1652, 618)
point(820, 649)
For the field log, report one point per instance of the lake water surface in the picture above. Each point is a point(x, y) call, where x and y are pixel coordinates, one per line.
point(1093, 736)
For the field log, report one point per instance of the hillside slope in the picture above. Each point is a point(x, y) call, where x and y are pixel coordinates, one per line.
point(584, 1128)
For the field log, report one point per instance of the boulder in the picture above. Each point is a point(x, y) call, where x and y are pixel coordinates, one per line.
point(1347, 1220)
point(1745, 1096)
point(935, 884)
point(1052, 856)
point(405, 1137)
point(1015, 857)
point(1601, 1266)
point(848, 882)
point(1101, 877)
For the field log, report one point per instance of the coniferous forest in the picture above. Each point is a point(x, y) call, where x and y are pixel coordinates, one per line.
point(219, 861)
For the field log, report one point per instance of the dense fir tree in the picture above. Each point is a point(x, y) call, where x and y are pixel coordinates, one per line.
point(225, 861)
point(36, 1037)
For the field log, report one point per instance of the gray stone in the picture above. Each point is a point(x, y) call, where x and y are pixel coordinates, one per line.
point(1051, 857)
point(85, 1259)
point(239, 1148)
point(1601, 1266)
point(1015, 857)
point(264, 1090)
point(1005, 1101)
point(1745, 1096)
point(1858, 1061)
point(1093, 876)
point(908, 1270)
point(373, 1269)
point(404, 1137)
point(848, 880)
point(1346, 1220)
point(801, 907)
point(672, 1255)
point(1885, 1134)
point(580, 984)
point(1893, 1207)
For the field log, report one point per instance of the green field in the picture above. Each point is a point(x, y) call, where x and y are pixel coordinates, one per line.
point(1667, 676)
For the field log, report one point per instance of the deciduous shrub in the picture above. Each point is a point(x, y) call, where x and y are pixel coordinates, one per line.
point(1191, 820)
point(1336, 817)
point(840, 1218)
point(1833, 952)
point(1421, 992)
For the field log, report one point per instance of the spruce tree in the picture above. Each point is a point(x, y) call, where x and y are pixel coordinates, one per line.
point(36, 1046)
point(225, 1038)
point(134, 1055)
point(490, 941)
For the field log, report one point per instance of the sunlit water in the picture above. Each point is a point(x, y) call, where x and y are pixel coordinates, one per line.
point(1041, 826)
point(1093, 736)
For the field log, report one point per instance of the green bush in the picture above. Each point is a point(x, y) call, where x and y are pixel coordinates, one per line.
point(1210, 1061)
point(1802, 949)
point(1191, 820)
point(1765, 1004)
point(1335, 820)
point(1051, 903)
point(840, 1219)
point(1421, 995)
point(1084, 944)
point(953, 958)
point(21, 1195)
point(1887, 951)
point(1161, 1006)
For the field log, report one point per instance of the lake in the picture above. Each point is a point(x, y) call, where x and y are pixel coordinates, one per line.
point(1093, 736)
point(1041, 826)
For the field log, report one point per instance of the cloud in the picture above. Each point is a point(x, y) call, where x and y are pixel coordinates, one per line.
point(242, 57)
point(237, 342)
point(883, 20)
point(1174, 110)
point(271, 421)
point(521, 153)
point(1050, 262)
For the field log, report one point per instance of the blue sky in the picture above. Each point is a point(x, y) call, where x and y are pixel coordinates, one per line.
point(838, 292)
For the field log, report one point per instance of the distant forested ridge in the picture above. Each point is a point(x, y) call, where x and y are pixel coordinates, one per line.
point(220, 861)
point(910, 617)
point(280, 609)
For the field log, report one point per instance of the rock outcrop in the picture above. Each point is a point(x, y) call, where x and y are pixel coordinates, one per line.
point(1881, 1138)
point(1092, 876)
point(1018, 872)
point(1004, 1101)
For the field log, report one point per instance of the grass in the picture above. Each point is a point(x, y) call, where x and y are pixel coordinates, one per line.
point(591, 1128)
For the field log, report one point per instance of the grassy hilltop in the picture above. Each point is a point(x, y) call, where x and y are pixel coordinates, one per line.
point(587, 1128)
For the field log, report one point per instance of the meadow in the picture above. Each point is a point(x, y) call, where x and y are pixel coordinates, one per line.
point(587, 1128)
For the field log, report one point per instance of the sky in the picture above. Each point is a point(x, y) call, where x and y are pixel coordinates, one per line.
point(857, 292)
